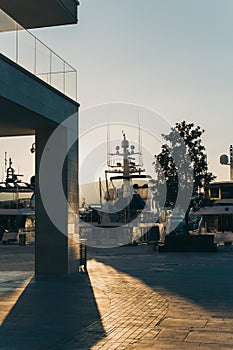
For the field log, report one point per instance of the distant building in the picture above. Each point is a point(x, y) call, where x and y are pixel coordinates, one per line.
point(218, 218)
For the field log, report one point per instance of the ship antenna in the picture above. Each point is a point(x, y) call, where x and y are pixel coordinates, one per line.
point(140, 142)
point(108, 145)
point(5, 161)
point(100, 191)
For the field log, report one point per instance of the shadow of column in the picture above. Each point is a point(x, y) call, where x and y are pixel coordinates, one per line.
point(49, 312)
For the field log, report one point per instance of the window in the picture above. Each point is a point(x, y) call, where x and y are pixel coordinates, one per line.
point(214, 192)
point(227, 192)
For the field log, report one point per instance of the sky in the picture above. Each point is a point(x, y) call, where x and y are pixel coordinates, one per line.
point(174, 57)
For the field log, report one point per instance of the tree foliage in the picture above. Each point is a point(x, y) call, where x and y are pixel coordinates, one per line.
point(182, 169)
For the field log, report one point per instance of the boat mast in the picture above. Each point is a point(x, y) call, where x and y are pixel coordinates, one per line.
point(100, 190)
point(231, 163)
point(5, 160)
point(128, 166)
point(125, 146)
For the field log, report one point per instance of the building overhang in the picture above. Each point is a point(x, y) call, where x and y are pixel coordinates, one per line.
point(42, 13)
point(28, 103)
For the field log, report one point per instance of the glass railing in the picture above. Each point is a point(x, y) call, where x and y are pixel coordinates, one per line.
point(22, 47)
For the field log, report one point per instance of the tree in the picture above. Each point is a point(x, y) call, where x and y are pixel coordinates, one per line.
point(182, 170)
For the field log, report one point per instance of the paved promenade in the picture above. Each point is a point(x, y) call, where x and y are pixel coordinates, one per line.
point(129, 299)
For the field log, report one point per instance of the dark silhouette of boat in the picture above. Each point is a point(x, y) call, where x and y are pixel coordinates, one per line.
point(16, 206)
point(125, 200)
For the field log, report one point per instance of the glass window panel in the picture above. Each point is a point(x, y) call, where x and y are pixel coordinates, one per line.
point(43, 62)
point(227, 192)
point(58, 72)
point(26, 50)
point(8, 36)
point(70, 82)
point(214, 192)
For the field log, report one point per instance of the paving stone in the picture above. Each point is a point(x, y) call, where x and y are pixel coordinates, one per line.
point(144, 301)
point(211, 337)
point(175, 334)
point(183, 322)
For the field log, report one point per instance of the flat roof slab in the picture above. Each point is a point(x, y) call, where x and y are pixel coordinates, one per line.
point(28, 103)
point(42, 13)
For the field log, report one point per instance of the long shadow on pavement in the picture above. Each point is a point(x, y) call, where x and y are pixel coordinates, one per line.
point(49, 313)
point(202, 278)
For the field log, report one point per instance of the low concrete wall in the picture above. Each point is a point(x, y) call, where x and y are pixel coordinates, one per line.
point(188, 243)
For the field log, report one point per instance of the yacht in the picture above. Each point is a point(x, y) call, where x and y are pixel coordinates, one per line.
point(126, 211)
point(17, 212)
point(218, 218)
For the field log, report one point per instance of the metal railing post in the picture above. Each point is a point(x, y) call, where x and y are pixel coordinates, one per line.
point(50, 67)
point(17, 45)
point(35, 53)
point(64, 77)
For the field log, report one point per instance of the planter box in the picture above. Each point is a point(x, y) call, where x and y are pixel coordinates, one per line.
point(188, 243)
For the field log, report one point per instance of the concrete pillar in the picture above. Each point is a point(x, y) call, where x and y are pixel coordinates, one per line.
point(57, 252)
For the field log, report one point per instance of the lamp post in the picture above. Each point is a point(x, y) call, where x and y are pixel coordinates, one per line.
point(224, 160)
point(33, 148)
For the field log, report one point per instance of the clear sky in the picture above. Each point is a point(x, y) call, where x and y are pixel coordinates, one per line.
point(173, 56)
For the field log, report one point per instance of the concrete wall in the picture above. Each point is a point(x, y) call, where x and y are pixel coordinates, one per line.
point(57, 248)
point(73, 200)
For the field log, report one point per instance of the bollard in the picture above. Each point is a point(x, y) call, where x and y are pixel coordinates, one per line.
point(83, 256)
point(22, 238)
point(227, 245)
point(152, 245)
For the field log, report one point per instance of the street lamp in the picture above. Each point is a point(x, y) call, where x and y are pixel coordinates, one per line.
point(33, 148)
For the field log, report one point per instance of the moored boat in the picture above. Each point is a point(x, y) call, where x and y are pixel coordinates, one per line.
point(126, 211)
point(17, 212)
point(218, 218)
